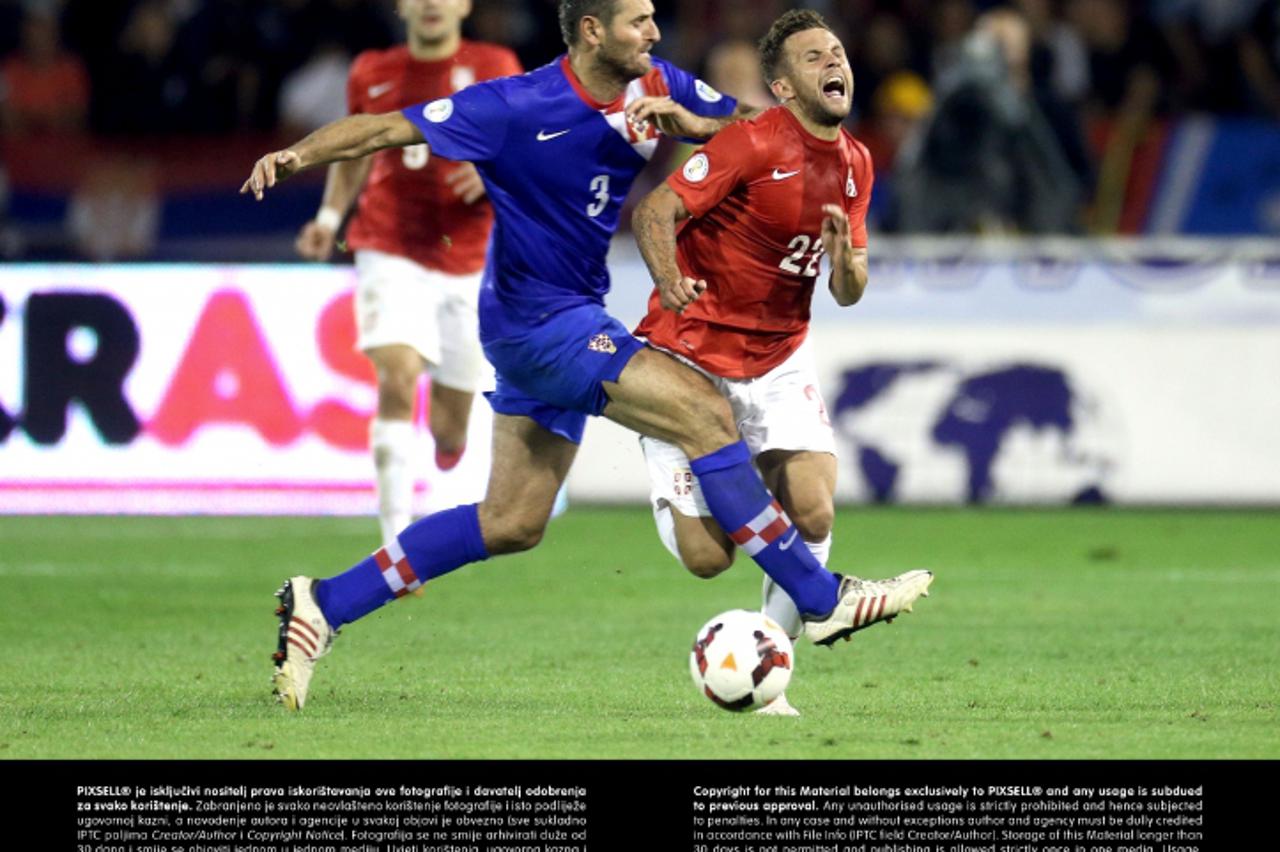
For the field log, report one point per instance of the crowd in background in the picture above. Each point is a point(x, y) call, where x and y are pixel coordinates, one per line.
point(935, 80)
point(163, 66)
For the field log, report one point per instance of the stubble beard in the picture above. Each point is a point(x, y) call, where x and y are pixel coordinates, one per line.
point(818, 111)
point(619, 69)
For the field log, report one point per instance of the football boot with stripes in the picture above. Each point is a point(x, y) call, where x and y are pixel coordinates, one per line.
point(305, 636)
point(863, 603)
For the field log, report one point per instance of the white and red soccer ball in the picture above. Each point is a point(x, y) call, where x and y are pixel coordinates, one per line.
point(741, 660)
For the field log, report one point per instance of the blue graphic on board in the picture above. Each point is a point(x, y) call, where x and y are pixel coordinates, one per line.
point(1009, 432)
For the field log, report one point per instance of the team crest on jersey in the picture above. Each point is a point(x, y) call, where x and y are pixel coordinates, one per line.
point(696, 168)
point(602, 343)
point(461, 76)
point(849, 188)
point(438, 110)
point(705, 92)
point(643, 136)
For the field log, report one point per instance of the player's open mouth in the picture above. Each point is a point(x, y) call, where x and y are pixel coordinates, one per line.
point(834, 88)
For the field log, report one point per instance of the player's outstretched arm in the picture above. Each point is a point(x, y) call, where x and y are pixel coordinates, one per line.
point(345, 139)
point(654, 225)
point(849, 271)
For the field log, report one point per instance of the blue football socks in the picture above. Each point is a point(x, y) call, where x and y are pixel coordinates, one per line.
point(424, 550)
point(751, 516)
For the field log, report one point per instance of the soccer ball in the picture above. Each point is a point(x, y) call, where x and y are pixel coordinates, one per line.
point(741, 660)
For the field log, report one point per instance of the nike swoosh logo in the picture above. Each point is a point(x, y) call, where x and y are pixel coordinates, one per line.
point(543, 135)
point(778, 174)
point(380, 89)
point(786, 545)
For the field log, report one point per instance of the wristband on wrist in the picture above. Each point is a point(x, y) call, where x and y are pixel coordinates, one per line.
point(329, 218)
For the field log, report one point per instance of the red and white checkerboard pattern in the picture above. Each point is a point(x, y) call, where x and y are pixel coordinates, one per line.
point(762, 530)
point(396, 570)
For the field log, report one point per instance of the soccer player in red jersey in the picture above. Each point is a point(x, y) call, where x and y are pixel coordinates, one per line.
point(419, 235)
point(760, 205)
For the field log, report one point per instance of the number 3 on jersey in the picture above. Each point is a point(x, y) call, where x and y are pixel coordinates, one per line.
point(600, 188)
point(799, 246)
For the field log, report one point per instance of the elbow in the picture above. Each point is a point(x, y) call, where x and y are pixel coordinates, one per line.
point(850, 294)
point(660, 207)
point(379, 132)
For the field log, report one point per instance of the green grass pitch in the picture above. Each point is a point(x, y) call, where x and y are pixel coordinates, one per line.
point(1049, 634)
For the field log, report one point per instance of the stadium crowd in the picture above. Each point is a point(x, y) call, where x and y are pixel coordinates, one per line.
point(1066, 88)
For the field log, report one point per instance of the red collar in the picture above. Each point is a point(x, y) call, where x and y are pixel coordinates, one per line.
point(613, 106)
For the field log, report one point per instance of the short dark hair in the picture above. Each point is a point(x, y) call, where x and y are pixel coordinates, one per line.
point(573, 11)
point(790, 23)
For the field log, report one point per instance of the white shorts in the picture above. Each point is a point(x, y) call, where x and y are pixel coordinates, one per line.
point(399, 301)
point(781, 410)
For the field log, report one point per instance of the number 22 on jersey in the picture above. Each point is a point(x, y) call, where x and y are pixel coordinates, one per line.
point(799, 247)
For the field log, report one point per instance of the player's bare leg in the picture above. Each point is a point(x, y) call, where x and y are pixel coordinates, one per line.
point(701, 546)
point(805, 484)
point(448, 420)
point(392, 436)
point(657, 396)
point(529, 466)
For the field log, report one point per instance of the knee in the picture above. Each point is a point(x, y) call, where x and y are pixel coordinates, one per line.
point(398, 381)
point(706, 561)
point(814, 522)
point(518, 538)
point(512, 534)
point(398, 369)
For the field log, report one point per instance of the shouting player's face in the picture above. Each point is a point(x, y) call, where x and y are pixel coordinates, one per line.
point(627, 40)
point(818, 75)
point(433, 21)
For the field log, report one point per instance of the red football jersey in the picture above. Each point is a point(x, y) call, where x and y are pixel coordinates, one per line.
point(755, 193)
point(406, 208)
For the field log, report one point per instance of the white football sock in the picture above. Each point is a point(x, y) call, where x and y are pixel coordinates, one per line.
point(393, 443)
point(821, 550)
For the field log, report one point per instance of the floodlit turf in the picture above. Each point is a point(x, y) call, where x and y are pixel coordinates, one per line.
point(1049, 634)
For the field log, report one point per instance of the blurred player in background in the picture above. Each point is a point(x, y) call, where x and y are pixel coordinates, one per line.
point(558, 149)
point(420, 235)
point(769, 197)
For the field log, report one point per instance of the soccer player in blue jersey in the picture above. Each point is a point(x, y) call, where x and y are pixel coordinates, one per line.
point(558, 149)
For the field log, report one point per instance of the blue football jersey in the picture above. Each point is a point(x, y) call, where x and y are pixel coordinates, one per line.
point(557, 166)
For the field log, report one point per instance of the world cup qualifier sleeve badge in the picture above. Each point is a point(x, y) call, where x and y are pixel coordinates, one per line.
point(602, 343)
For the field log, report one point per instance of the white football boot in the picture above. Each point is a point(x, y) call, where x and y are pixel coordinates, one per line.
point(305, 637)
point(863, 603)
point(778, 707)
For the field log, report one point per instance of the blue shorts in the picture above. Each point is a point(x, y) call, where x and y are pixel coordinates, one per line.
point(555, 373)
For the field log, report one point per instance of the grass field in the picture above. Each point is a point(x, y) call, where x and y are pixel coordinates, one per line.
point(1049, 634)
